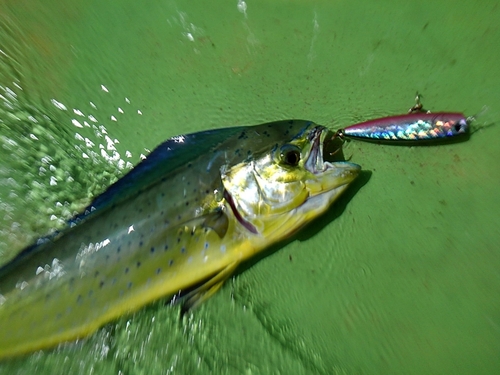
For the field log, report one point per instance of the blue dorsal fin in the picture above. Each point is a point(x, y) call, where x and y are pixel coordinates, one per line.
point(167, 157)
point(176, 152)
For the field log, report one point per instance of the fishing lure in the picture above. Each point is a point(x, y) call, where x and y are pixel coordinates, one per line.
point(418, 125)
point(410, 127)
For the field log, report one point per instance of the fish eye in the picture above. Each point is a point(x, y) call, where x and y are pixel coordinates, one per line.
point(290, 155)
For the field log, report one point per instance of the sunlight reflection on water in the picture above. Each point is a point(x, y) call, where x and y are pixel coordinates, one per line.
point(55, 157)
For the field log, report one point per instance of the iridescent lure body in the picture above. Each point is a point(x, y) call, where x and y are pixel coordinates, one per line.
point(410, 127)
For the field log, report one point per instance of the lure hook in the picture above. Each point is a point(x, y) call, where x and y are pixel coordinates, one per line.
point(418, 107)
point(340, 135)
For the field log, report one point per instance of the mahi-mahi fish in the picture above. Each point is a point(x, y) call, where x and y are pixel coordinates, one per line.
point(185, 217)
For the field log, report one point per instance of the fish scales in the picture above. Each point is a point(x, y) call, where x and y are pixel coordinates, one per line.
point(114, 256)
point(137, 251)
point(164, 227)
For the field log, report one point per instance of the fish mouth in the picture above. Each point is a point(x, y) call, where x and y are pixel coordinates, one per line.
point(326, 156)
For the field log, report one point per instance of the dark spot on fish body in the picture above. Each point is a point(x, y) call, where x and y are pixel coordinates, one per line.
point(183, 250)
point(138, 264)
point(165, 248)
point(129, 285)
point(190, 165)
point(101, 284)
point(170, 262)
point(126, 270)
point(118, 249)
point(96, 273)
point(152, 250)
point(158, 270)
point(140, 243)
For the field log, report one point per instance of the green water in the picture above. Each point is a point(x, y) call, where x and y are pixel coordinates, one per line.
point(401, 277)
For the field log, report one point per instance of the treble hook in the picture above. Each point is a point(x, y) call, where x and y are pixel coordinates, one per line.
point(418, 107)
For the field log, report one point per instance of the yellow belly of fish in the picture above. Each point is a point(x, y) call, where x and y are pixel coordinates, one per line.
point(75, 305)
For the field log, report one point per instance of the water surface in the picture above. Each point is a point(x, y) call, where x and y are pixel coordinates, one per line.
point(402, 278)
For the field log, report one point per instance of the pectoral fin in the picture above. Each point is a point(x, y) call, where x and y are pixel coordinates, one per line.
point(215, 220)
point(218, 222)
point(208, 289)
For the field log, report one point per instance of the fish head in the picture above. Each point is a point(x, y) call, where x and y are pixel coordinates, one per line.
point(294, 180)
